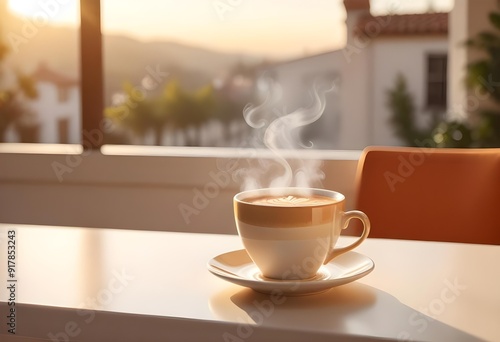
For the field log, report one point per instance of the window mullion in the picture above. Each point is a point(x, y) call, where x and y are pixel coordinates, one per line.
point(91, 74)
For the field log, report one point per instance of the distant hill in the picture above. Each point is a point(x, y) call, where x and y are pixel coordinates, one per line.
point(125, 59)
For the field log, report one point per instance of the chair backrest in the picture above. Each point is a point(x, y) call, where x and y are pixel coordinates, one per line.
point(431, 194)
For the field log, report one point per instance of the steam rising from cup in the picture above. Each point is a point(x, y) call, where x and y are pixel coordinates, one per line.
point(280, 132)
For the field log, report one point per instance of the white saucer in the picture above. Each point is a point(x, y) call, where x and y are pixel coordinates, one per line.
point(238, 268)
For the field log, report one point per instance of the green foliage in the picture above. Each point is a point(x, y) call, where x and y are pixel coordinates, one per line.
point(403, 110)
point(11, 108)
point(175, 108)
point(495, 20)
point(188, 109)
point(484, 75)
point(27, 86)
point(452, 134)
point(487, 132)
point(400, 102)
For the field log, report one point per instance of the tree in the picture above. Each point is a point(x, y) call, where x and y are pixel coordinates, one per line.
point(189, 109)
point(484, 75)
point(175, 108)
point(12, 110)
point(138, 113)
point(449, 134)
point(400, 102)
point(452, 134)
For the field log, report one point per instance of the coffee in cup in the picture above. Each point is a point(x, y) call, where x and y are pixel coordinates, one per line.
point(290, 232)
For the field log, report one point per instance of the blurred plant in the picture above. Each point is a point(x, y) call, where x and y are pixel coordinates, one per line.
point(189, 110)
point(129, 112)
point(12, 110)
point(175, 108)
point(138, 113)
point(443, 133)
point(3, 50)
point(482, 129)
point(400, 102)
point(484, 75)
point(452, 134)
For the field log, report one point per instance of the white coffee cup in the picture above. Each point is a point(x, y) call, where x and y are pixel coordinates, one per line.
point(290, 232)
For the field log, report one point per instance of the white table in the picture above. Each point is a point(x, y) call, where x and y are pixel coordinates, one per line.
point(154, 286)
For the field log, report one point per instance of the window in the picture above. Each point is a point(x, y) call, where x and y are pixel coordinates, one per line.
point(181, 73)
point(39, 69)
point(178, 73)
point(63, 94)
point(436, 81)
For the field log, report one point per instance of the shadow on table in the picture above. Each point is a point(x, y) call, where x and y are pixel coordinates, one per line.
point(349, 309)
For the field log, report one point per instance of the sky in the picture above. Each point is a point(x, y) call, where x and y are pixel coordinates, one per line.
point(272, 27)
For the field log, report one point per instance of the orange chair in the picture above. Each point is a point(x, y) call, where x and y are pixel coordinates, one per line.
point(431, 194)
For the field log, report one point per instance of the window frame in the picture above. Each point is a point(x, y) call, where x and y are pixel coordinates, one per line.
point(91, 75)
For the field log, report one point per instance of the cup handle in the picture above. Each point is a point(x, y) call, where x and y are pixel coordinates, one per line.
point(347, 216)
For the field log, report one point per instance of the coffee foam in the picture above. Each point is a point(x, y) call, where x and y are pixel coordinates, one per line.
point(287, 208)
point(290, 201)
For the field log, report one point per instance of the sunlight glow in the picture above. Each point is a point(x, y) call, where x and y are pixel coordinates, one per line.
point(233, 26)
point(62, 12)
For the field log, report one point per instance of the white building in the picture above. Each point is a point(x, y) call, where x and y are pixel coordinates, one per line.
point(377, 49)
point(56, 110)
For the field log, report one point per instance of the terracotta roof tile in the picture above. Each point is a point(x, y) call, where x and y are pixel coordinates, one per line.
point(406, 24)
point(44, 74)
